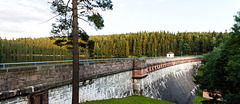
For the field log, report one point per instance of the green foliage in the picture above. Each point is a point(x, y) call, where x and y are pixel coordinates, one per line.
point(157, 43)
point(199, 98)
point(1, 50)
point(120, 45)
point(88, 13)
point(221, 68)
point(97, 20)
point(91, 48)
point(68, 27)
point(62, 29)
point(210, 74)
point(186, 48)
point(130, 100)
point(127, 49)
point(230, 63)
point(30, 47)
point(96, 49)
point(200, 72)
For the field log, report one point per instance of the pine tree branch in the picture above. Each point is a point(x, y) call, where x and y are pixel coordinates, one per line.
point(66, 12)
point(49, 19)
point(83, 19)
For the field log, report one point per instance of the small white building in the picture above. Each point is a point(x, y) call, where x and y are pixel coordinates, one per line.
point(170, 54)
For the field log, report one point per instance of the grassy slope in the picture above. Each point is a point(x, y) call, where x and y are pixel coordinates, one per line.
point(199, 97)
point(130, 100)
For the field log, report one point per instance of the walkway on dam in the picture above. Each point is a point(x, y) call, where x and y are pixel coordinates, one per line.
point(67, 62)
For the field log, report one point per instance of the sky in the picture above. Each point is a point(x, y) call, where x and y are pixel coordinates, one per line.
point(27, 18)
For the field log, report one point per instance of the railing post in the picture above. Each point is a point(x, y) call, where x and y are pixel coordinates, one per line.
point(3, 66)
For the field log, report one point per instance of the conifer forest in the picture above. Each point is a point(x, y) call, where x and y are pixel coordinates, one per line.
point(141, 44)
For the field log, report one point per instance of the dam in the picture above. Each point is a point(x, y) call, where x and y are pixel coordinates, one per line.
point(169, 79)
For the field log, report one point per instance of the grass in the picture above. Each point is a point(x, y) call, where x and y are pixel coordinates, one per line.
point(130, 100)
point(199, 98)
point(141, 100)
point(200, 72)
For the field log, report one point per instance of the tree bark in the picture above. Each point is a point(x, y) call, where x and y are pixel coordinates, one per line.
point(75, 79)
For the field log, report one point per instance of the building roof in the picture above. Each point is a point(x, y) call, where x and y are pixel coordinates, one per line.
point(170, 52)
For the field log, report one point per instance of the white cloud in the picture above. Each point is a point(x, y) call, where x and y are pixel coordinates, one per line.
point(144, 3)
point(159, 0)
point(24, 17)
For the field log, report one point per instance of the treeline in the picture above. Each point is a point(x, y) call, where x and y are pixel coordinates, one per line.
point(220, 69)
point(141, 44)
point(1, 50)
point(31, 47)
point(149, 44)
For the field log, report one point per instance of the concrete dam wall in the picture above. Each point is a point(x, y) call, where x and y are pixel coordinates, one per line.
point(169, 80)
point(174, 84)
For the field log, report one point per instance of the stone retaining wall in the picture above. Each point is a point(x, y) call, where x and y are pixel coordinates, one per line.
point(97, 80)
point(15, 82)
point(112, 86)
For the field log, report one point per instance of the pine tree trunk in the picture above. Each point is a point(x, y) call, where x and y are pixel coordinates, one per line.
point(75, 79)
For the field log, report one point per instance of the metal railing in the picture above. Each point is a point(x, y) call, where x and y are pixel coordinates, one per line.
point(67, 62)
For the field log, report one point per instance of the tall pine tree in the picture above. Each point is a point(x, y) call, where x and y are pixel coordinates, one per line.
point(69, 28)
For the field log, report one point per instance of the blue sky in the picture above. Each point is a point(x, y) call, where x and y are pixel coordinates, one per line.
point(23, 18)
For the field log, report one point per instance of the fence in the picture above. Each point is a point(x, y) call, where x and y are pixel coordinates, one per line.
point(67, 62)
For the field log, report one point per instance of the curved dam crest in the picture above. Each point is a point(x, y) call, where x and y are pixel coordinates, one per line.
point(169, 79)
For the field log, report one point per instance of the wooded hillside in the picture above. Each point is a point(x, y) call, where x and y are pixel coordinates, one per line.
point(159, 43)
point(139, 44)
